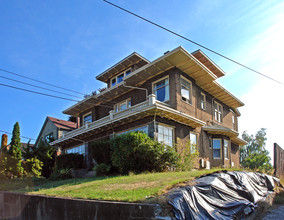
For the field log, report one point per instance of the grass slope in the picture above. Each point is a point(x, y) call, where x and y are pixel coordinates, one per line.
point(133, 188)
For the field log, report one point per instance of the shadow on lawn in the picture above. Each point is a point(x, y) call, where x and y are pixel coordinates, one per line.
point(31, 184)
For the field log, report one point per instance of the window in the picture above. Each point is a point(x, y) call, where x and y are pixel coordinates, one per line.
point(79, 150)
point(87, 118)
point(193, 142)
point(226, 149)
point(233, 122)
point(141, 129)
point(119, 78)
point(165, 134)
point(203, 101)
point(218, 109)
point(216, 148)
point(161, 89)
point(49, 138)
point(122, 105)
point(185, 90)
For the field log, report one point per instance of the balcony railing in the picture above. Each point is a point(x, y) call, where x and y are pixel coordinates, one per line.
point(111, 117)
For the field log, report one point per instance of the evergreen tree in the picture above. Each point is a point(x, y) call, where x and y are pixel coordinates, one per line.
point(15, 148)
point(14, 161)
point(4, 144)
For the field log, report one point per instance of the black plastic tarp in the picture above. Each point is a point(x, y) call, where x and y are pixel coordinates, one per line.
point(221, 195)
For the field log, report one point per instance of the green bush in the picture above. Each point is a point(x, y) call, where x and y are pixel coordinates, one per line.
point(100, 151)
point(61, 174)
point(67, 161)
point(102, 169)
point(136, 152)
point(32, 167)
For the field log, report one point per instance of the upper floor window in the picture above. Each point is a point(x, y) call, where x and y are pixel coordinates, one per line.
point(49, 138)
point(161, 89)
point(233, 122)
point(203, 101)
point(216, 148)
point(193, 142)
point(165, 134)
point(186, 86)
point(122, 105)
point(87, 118)
point(226, 149)
point(218, 112)
point(119, 78)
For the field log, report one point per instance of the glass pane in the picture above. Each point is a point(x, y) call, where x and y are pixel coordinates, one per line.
point(226, 152)
point(159, 84)
point(185, 83)
point(128, 72)
point(120, 78)
point(216, 143)
point(184, 92)
point(88, 118)
point(161, 94)
point(122, 106)
point(113, 82)
point(216, 153)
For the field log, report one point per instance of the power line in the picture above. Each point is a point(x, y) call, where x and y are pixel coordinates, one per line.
point(187, 39)
point(16, 74)
point(40, 93)
point(6, 132)
point(38, 86)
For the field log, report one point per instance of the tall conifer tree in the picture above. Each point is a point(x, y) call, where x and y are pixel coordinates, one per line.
point(15, 148)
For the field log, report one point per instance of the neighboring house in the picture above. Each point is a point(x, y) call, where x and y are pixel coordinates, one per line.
point(174, 99)
point(54, 129)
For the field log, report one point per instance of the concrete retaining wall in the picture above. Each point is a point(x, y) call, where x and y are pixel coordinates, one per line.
point(21, 206)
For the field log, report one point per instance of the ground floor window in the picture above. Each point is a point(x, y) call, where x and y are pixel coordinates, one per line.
point(193, 142)
point(79, 150)
point(141, 129)
point(226, 148)
point(216, 148)
point(165, 134)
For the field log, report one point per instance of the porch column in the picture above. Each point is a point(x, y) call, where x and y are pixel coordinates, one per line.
point(152, 99)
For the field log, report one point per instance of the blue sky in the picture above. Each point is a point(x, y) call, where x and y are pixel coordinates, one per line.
point(68, 43)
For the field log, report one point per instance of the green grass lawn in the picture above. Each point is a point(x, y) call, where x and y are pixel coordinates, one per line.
point(132, 188)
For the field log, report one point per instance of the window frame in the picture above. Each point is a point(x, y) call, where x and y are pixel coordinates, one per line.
point(75, 150)
point(154, 90)
point(220, 141)
point(218, 113)
point(117, 106)
point(166, 126)
point(228, 147)
point(83, 117)
point(189, 101)
point(191, 144)
point(124, 73)
point(203, 98)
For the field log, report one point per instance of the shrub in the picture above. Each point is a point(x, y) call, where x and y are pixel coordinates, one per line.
point(136, 152)
point(100, 151)
point(33, 167)
point(61, 174)
point(67, 161)
point(102, 169)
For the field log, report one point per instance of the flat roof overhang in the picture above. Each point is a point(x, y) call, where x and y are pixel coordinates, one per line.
point(203, 58)
point(158, 109)
point(225, 131)
point(130, 60)
point(179, 58)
